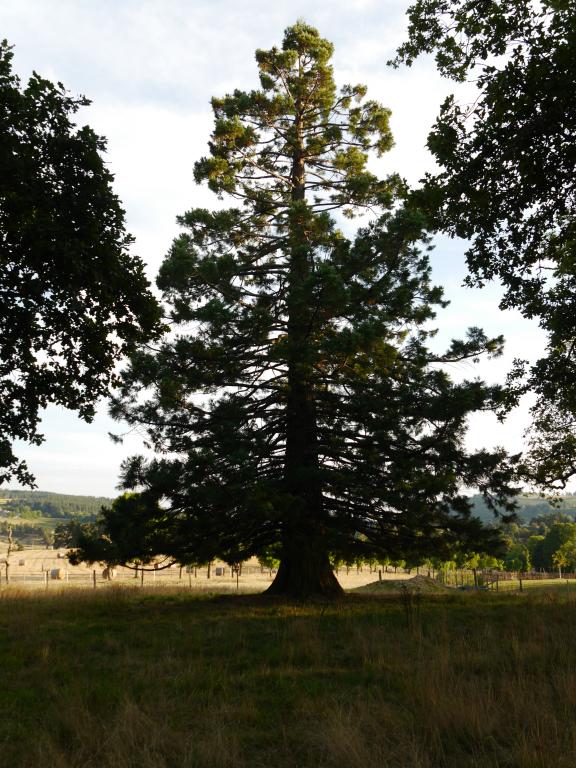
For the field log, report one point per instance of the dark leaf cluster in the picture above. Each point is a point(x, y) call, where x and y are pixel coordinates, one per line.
point(507, 179)
point(72, 298)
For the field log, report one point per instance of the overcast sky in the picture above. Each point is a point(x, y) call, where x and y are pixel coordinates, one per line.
point(150, 68)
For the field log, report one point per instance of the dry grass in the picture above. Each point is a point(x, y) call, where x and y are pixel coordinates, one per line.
point(31, 575)
point(153, 679)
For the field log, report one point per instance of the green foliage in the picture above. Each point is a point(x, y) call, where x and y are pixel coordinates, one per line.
point(543, 542)
point(507, 181)
point(517, 558)
point(72, 298)
point(68, 535)
point(269, 558)
point(48, 537)
point(558, 537)
point(131, 530)
point(565, 555)
point(296, 401)
point(27, 532)
point(534, 544)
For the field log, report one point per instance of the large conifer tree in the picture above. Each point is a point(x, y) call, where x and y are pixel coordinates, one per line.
point(296, 400)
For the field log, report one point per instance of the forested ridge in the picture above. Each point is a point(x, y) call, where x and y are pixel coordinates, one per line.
point(30, 504)
point(51, 504)
point(529, 506)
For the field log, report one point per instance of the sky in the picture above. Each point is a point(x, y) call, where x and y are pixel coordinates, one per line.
point(150, 68)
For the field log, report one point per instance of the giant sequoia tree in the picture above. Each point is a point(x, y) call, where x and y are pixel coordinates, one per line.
point(296, 400)
point(508, 179)
point(72, 297)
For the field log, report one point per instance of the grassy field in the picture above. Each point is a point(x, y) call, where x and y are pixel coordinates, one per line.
point(545, 584)
point(156, 679)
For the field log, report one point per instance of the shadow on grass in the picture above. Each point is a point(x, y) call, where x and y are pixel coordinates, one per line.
point(128, 677)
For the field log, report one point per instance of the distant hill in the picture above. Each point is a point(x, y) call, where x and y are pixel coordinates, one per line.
point(529, 507)
point(33, 504)
point(30, 505)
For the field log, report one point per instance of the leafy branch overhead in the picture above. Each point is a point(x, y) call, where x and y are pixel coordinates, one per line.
point(72, 297)
point(507, 179)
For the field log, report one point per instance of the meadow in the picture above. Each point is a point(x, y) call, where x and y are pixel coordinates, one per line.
point(155, 678)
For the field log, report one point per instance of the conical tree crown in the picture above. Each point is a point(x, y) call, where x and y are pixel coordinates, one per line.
point(297, 115)
point(300, 403)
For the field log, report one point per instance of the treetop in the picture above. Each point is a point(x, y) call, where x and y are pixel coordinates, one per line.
point(298, 117)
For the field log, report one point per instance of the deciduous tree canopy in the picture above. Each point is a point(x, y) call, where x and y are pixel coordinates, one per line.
point(508, 180)
point(72, 297)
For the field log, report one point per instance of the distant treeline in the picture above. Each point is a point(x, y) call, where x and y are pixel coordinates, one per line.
point(529, 507)
point(34, 504)
point(26, 533)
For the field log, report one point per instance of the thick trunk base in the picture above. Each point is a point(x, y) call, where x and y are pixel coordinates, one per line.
point(303, 575)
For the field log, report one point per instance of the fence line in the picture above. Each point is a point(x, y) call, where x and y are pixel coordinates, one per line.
point(56, 571)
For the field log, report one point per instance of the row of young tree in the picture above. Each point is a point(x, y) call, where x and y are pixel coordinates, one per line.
point(294, 396)
point(546, 543)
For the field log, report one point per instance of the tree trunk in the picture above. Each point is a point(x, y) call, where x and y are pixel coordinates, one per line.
point(305, 572)
point(305, 569)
